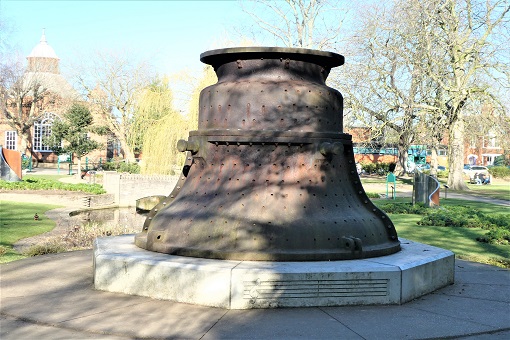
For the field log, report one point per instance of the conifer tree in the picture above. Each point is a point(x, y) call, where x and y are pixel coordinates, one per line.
point(72, 134)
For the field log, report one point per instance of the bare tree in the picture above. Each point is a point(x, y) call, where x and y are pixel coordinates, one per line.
point(382, 81)
point(298, 23)
point(427, 61)
point(23, 96)
point(113, 82)
point(463, 51)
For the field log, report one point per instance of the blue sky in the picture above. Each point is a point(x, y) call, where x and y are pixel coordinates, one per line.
point(170, 33)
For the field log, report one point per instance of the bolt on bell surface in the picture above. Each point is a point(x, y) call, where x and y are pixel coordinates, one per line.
point(269, 175)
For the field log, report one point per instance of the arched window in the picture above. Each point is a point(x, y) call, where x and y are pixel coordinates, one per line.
point(42, 128)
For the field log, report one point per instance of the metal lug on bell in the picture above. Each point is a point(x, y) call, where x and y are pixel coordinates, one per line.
point(352, 243)
point(184, 145)
point(329, 149)
point(272, 177)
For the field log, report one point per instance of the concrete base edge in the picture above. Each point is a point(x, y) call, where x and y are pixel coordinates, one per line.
point(418, 269)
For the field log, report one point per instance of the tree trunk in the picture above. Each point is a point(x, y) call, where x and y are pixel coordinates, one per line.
point(25, 146)
point(433, 161)
point(456, 155)
point(78, 171)
point(403, 156)
point(127, 152)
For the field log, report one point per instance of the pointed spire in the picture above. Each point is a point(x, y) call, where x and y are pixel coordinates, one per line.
point(43, 36)
point(43, 49)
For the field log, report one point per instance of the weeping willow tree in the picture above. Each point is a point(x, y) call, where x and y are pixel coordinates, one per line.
point(158, 126)
point(156, 129)
point(208, 78)
point(160, 155)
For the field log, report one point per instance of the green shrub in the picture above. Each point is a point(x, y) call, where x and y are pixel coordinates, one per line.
point(377, 168)
point(498, 236)
point(402, 208)
point(132, 168)
point(500, 161)
point(25, 162)
point(48, 184)
point(121, 166)
point(442, 174)
point(498, 225)
point(369, 168)
point(500, 171)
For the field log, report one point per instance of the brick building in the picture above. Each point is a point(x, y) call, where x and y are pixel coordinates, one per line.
point(40, 96)
point(478, 149)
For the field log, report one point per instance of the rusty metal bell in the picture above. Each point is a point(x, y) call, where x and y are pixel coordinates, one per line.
point(270, 175)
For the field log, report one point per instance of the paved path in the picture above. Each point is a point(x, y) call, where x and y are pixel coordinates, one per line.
point(52, 297)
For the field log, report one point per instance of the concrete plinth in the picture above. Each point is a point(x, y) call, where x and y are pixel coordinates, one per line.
point(418, 269)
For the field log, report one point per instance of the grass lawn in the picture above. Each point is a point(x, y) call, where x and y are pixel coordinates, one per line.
point(461, 241)
point(49, 177)
point(17, 222)
point(497, 189)
point(484, 207)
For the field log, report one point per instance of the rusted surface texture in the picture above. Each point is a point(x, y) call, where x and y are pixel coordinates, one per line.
point(10, 165)
point(270, 175)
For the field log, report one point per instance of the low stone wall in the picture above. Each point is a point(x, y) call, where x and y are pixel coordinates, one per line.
point(127, 188)
point(98, 200)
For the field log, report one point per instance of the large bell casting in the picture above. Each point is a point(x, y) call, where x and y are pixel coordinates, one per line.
point(270, 175)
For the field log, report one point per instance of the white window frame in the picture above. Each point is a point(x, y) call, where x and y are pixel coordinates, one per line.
point(472, 142)
point(491, 141)
point(490, 157)
point(42, 128)
point(11, 140)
